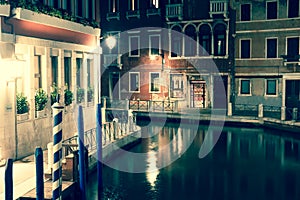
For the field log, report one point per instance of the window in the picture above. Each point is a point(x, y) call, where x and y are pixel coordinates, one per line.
point(271, 47)
point(176, 83)
point(113, 6)
point(134, 81)
point(176, 42)
point(79, 73)
point(245, 12)
point(91, 7)
point(245, 48)
point(293, 48)
point(154, 3)
point(67, 5)
point(271, 87)
point(90, 80)
point(205, 40)
point(37, 72)
point(154, 82)
point(190, 41)
point(133, 4)
point(154, 44)
point(67, 71)
point(293, 8)
point(220, 40)
point(245, 87)
point(134, 46)
point(79, 7)
point(54, 69)
point(272, 10)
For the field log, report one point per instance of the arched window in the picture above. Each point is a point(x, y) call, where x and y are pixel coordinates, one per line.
point(220, 40)
point(190, 41)
point(176, 42)
point(205, 40)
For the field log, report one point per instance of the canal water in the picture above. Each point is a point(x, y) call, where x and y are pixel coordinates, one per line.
point(246, 163)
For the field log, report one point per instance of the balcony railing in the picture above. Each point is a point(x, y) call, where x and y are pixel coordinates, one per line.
point(153, 11)
point(174, 11)
point(112, 60)
point(132, 14)
point(113, 15)
point(218, 7)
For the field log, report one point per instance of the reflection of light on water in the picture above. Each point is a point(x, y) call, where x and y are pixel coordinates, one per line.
point(152, 170)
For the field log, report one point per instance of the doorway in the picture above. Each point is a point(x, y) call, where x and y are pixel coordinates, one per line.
point(198, 97)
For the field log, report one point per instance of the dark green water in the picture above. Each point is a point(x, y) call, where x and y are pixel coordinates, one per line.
point(246, 163)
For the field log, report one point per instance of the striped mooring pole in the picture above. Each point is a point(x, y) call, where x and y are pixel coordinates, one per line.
point(57, 151)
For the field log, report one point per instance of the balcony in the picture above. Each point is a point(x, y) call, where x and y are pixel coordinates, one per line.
point(112, 60)
point(218, 7)
point(174, 11)
point(113, 15)
point(133, 14)
point(153, 11)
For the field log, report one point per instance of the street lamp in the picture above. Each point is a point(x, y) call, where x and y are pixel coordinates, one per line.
point(111, 42)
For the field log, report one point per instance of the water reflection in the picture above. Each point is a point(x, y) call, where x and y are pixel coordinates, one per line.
point(245, 164)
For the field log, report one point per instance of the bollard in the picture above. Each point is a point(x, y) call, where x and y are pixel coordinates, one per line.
point(295, 114)
point(82, 174)
point(39, 162)
point(50, 155)
point(260, 110)
point(99, 149)
point(283, 114)
point(229, 110)
point(57, 151)
point(8, 182)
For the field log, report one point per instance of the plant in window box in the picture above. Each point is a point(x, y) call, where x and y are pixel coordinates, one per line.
point(90, 94)
point(80, 95)
point(68, 97)
point(41, 99)
point(54, 95)
point(22, 107)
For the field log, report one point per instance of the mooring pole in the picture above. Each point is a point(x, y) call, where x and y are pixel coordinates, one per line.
point(99, 149)
point(8, 183)
point(57, 152)
point(82, 174)
point(39, 162)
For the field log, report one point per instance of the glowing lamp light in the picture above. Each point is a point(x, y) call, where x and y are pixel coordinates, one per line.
point(111, 42)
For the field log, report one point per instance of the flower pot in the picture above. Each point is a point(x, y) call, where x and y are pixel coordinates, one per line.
point(40, 113)
point(22, 117)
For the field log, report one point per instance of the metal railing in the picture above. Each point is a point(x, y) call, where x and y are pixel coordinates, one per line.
point(174, 10)
point(246, 110)
point(272, 111)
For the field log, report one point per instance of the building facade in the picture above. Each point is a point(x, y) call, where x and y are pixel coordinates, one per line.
point(51, 47)
point(267, 55)
point(168, 50)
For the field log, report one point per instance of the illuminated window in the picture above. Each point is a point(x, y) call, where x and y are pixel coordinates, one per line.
point(67, 71)
point(54, 69)
point(220, 40)
point(154, 44)
point(205, 40)
point(133, 4)
point(154, 82)
point(154, 3)
point(37, 72)
point(113, 5)
point(134, 81)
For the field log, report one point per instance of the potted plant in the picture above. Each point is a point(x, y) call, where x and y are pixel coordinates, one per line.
point(90, 94)
point(80, 95)
point(54, 95)
point(68, 97)
point(41, 99)
point(22, 107)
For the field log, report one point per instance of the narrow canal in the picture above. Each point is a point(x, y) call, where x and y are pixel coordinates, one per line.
point(246, 163)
